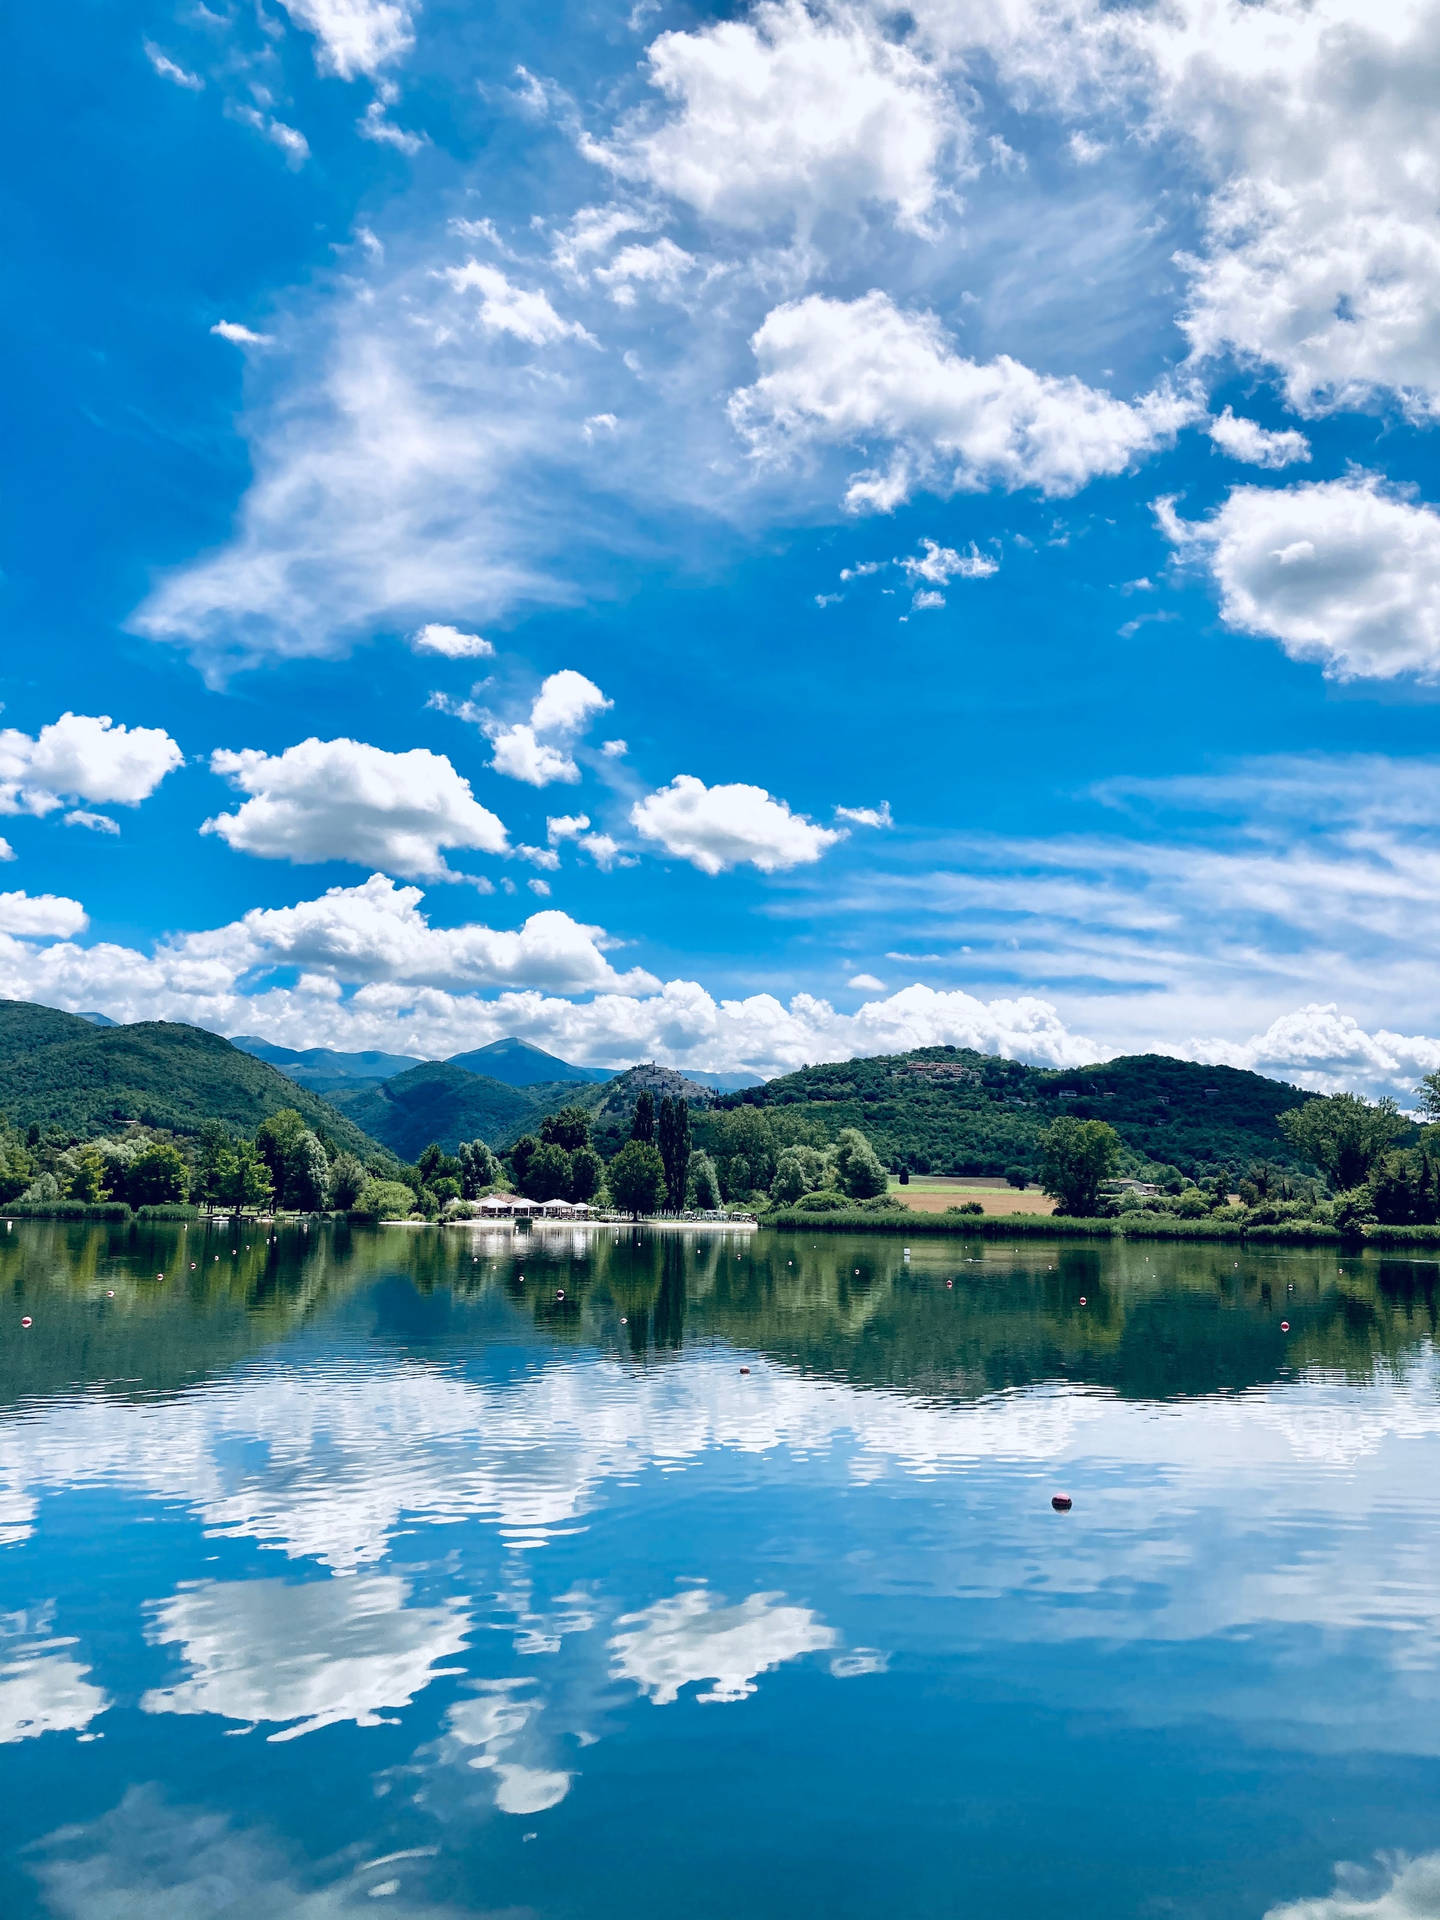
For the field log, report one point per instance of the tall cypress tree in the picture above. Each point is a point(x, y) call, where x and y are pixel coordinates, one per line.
point(642, 1127)
point(675, 1148)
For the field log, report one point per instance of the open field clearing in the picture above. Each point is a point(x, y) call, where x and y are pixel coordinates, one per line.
point(933, 1193)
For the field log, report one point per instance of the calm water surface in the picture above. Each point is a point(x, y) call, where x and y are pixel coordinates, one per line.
point(366, 1568)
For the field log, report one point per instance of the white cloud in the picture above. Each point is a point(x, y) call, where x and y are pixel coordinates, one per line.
point(376, 934)
point(866, 983)
point(1401, 1890)
point(372, 125)
point(940, 565)
point(241, 336)
point(728, 826)
point(450, 642)
point(1257, 446)
point(605, 852)
point(304, 1655)
point(355, 36)
point(540, 887)
point(291, 142)
point(565, 826)
point(1320, 1047)
point(169, 70)
point(1342, 572)
point(866, 816)
point(43, 916)
point(506, 308)
point(614, 749)
point(346, 800)
point(96, 822)
point(791, 114)
point(853, 372)
point(662, 268)
point(83, 757)
point(694, 1636)
point(545, 857)
point(538, 751)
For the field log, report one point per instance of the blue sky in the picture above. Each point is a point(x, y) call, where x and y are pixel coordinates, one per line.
point(432, 428)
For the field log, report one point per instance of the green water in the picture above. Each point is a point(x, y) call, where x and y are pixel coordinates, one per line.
point(708, 1575)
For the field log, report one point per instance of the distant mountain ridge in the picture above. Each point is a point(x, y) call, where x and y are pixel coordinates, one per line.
point(519, 1064)
point(323, 1067)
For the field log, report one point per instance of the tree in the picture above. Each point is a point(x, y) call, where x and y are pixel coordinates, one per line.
point(1343, 1134)
point(1428, 1094)
point(1075, 1156)
point(87, 1176)
point(702, 1186)
point(242, 1178)
point(520, 1158)
point(1403, 1189)
point(347, 1181)
point(637, 1178)
point(1018, 1177)
point(298, 1164)
point(569, 1129)
point(858, 1171)
point(387, 1199)
point(642, 1126)
point(675, 1148)
point(479, 1168)
point(157, 1177)
point(547, 1174)
point(587, 1173)
point(798, 1170)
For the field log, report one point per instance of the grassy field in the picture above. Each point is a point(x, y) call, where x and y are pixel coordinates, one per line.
point(933, 1193)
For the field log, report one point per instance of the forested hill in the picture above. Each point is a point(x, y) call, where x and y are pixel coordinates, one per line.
point(951, 1110)
point(58, 1070)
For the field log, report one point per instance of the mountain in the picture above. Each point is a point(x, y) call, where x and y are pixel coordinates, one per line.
point(58, 1069)
point(519, 1064)
point(321, 1067)
point(725, 1082)
point(438, 1101)
point(952, 1110)
point(98, 1019)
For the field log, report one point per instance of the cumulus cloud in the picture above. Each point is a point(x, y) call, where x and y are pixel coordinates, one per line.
point(790, 114)
point(345, 800)
point(241, 336)
point(729, 826)
point(291, 142)
point(866, 983)
point(1394, 1889)
point(450, 642)
point(538, 750)
point(44, 916)
point(355, 36)
point(1257, 446)
point(661, 268)
point(96, 822)
point(853, 372)
point(1342, 572)
point(940, 565)
point(1325, 1049)
point(506, 308)
point(82, 757)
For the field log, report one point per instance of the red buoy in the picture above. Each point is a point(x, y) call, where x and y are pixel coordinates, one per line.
point(744, 1369)
point(560, 1293)
point(1061, 1502)
point(1284, 1326)
point(26, 1321)
point(1082, 1299)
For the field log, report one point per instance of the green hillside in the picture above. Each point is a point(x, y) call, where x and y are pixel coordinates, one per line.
point(58, 1070)
point(952, 1110)
point(519, 1064)
point(438, 1101)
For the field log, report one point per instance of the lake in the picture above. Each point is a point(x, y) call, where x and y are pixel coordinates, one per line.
point(434, 1574)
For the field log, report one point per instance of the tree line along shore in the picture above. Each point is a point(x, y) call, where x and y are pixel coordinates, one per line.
point(1346, 1168)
